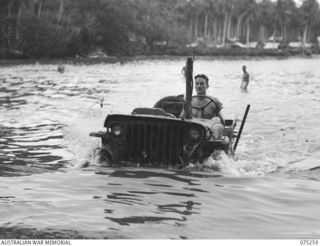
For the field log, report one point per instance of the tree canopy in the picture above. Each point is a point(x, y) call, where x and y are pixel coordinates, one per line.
point(61, 28)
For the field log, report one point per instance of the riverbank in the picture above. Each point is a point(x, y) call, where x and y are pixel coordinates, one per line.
point(208, 53)
point(235, 51)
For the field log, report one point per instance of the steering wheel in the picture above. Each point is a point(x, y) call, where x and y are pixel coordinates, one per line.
point(202, 107)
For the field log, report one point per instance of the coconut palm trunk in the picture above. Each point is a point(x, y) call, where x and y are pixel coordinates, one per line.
point(305, 34)
point(284, 33)
point(190, 30)
point(196, 23)
point(39, 8)
point(205, 28)
point(215, 31)
point(262, 34)
point(229, 26)
point(248, 33)
point(18, 24)
point(224, 29)
point(239, 24)
point(61, 10)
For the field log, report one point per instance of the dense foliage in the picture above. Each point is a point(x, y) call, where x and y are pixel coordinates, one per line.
point(60, 28)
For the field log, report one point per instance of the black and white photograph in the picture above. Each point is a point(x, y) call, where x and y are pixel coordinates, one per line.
point(168, 120)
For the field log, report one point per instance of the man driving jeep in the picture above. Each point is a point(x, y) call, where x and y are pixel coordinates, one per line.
point(204, 106)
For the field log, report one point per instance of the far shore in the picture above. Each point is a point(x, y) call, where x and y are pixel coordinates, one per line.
point(204, 53)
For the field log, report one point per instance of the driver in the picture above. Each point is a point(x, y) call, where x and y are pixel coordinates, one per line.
point(204, 106)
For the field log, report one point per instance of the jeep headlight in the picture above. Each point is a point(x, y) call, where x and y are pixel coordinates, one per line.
point(194, 135)
point(117, 130)
point(217, 131)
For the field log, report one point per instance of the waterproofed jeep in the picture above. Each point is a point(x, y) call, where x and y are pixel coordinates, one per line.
point(166, 135)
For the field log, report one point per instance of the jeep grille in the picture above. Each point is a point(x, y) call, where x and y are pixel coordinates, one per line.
point(149, 140)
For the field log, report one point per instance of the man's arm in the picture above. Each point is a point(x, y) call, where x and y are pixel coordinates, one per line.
point(220, 115)
point(217, 107)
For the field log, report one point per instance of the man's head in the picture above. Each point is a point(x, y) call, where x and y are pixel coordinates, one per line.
point(244, 68)
point(201, 84)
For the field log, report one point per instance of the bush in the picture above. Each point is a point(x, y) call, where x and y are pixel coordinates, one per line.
point(39, 38)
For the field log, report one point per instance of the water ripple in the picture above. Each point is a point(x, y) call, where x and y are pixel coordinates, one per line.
point(53, 186)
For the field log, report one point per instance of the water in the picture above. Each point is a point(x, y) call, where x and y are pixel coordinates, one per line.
point(52, 185)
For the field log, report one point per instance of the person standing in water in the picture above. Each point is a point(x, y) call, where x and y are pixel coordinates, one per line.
point(60, 68)
point(245, 78)
point(183, 71)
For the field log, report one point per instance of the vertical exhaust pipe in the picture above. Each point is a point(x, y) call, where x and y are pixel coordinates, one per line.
point(241, 127)
point(189, 88)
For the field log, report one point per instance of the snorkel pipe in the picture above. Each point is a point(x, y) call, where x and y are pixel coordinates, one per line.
point(189, 88)
point(241, 127)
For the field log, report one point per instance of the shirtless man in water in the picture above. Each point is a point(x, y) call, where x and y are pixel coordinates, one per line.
point(245, 78)
point(204, 106)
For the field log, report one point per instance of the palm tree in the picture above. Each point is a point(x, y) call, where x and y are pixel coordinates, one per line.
point(61, 10)
point(310, 18)
point(241, 9)
point(206, 12)
point(290, 7)
point(250, 17)
point(190, 10)
point(228, 7)
point(38, 4)
point(264, 18)
point(282, 15)
point(13, 13)
point(215, 15)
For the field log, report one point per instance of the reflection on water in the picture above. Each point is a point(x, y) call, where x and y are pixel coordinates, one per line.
point(32, 233)
point(53, 186)
point(31, 149)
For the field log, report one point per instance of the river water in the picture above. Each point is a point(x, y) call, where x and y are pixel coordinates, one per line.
point(53, 186)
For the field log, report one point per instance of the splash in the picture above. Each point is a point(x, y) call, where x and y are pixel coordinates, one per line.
point(233, 166)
